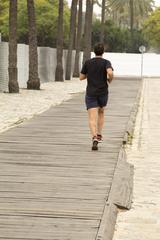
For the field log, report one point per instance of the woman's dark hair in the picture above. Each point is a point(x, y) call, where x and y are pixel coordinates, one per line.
point(99, 49)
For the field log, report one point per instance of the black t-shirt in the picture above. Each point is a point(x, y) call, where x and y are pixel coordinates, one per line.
point(95, 69)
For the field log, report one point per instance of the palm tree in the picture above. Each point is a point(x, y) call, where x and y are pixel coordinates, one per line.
point(88, 30)
point(120, 5)
point(144, 8)
point(131, 8)
point(59, 68)
point(78, 40)
point(12, 69)
point(33, 81)
point(105, 8)
point(102, 21)
point(71, 38)
point(140, 7)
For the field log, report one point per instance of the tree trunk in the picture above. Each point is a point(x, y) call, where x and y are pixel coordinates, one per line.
point(71, 38)
point(131, 15)
point(88, 30)
point(78, 40)
point(131, 5)
point(12, 69)
point(102, 21)
point(59, 68)
point(33, 81)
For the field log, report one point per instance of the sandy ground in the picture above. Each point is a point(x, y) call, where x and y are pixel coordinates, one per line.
point(16, 108)
point(142, 222)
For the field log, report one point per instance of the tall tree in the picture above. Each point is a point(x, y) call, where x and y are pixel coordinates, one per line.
point(46, 21)
point(131, 7)
point(105, 8)
point(151, 29)
point(33, 81)
point(88, 30)
point(78, 40)
point(120, 6)
point(102, 21)
point(12, 69)
point(59, 68)
point(71, 38)
point(131, 11)
point(135, 11)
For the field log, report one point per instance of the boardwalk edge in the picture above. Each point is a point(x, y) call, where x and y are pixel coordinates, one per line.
point(120, 197)
point(121, 192)
point(122, 185)
point(128, 135)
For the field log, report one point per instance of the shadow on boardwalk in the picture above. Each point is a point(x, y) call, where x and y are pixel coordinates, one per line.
point(52, 186)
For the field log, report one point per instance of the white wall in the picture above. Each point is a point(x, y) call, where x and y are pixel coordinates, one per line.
point(129, 64)
point(124, 64)
point(46, 59)
point(3, 66)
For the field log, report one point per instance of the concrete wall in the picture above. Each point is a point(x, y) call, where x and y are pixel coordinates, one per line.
point(3, 66)
point(124, 64)
point(46, 59)
point(129, 64)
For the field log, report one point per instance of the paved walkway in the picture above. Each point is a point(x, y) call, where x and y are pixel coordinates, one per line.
point(52, 186)
point(142, 222)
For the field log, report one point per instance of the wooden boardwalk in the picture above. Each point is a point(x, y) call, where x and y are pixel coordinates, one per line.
point(52, 186)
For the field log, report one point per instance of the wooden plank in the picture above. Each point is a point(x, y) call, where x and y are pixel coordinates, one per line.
point(108, 221)
point(52, 186)
point(122, 184)
point(39, 228)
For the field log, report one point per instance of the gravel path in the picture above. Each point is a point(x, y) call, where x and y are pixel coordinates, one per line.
point(15, 108)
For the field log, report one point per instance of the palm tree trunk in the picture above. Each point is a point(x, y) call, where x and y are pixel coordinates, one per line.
point(131, 15)
point(88, 30)
point(78, 40)
point(59, 68)
point(71, 38)
point(102, 21)
point(12, 69)
point(131, 5)
point(33, 81)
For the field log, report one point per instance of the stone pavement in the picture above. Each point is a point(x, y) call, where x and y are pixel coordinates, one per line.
point(142, 222)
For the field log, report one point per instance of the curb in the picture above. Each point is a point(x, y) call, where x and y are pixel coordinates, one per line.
point(121, 191)
point(120, 196)
point(131, 123)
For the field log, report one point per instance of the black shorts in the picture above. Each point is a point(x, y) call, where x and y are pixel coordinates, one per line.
point(94, 102)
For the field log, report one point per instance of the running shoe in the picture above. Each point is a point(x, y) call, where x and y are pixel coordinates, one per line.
point(99, 138)
point(94, 143)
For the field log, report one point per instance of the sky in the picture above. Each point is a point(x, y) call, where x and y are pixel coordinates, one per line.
point(157, 2)
point(98, 10)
